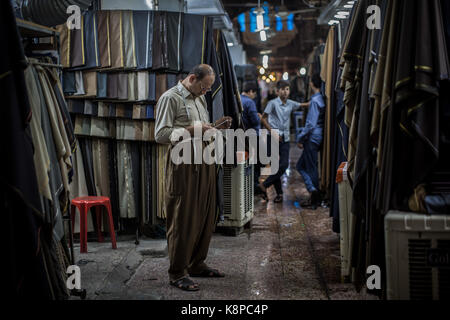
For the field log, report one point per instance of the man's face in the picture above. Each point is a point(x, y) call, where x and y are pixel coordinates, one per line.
point(201, 87)
point(252, 94)
point(283, 93)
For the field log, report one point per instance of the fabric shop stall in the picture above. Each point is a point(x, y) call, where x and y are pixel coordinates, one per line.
point(387, 96)
point(115, 69)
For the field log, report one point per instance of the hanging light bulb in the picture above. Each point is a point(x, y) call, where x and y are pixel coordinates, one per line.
point(264, 77)
point(262, 71)
point(302, 71)
point(285, 76)
point(268, 80)
point(259, 22)
point(263, 35)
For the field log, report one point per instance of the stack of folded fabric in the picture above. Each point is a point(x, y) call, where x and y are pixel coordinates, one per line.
point(115, 68)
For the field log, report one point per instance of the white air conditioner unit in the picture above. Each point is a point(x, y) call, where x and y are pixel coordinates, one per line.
point(417, 256)
point(238, 196)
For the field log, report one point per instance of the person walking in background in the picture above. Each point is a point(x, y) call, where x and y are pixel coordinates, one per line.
point(252, 120)
point(277, 116)
point(310, 139)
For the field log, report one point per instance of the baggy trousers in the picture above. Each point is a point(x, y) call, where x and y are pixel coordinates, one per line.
point(275, 179)
point(191, 213)
point(307, 166)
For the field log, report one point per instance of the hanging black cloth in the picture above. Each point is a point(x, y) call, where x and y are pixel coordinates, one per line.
point(231, 101)
point(214, 98)
point(22, 234)
point(167, 37)
point(143, 26)
point(194, 41)
point(114, 181)
point(174, 38)
point(160, 57)
point(422, 62)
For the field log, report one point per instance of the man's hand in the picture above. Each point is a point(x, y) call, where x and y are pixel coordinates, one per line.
point(203, 126)
point(206, 127)
point(223, 123)
point(300, 145)
point(277, 136)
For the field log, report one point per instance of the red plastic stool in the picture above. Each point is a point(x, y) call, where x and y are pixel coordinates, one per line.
point(84, 204)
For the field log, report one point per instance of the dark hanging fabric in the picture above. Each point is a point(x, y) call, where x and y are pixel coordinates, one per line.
point(151, 86)
point(231, 99)
point(328, 72)
point(24, 232)
point(193, 41)
point(341, 146)
point(122, 89)
point(341, 132)
point(375, 222)
point(77, 46)
point(135, 150)
point(160, 84)
point(91, 40)
point(86, 152)
point(360, 207)
point(128, 111)
point(440, 182)
point(94, 110)
point(150, 112)
point(160, 54)
point(416, 116)
point(104, 47)
point(445, 7)
point(102, 85)
point(76, 106)
point(337, 156)
point(219, 194)
point(214, 98)
point(352, 55)
point(355, 83)
point(174, 38)
point(147, 183)
point(86, 51)
point(171, 80)
point(68, 82)
point(143, 26)
point(112, 110)
point(113, 85)
point(54, 79)
point(114, 181)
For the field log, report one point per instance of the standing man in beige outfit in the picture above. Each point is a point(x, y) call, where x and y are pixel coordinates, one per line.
point(190, 188)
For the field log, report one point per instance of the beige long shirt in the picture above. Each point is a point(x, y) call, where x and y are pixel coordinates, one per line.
point(177, 109)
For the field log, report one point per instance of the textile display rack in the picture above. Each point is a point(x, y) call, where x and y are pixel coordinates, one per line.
point(53, 142)
point(115, 68)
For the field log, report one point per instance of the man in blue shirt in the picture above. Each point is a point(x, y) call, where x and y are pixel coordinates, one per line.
point(251, 120)
point(310, 139)
point(277, 115)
